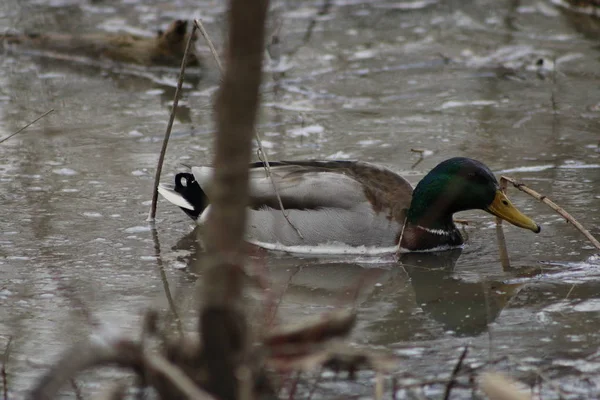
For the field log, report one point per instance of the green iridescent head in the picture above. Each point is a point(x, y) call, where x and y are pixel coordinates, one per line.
point(460, 184)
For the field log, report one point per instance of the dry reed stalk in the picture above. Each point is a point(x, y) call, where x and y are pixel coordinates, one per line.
point(27, 126)
point(522, 187)
point(261, 151)
point(163, 150)
point(211, 46)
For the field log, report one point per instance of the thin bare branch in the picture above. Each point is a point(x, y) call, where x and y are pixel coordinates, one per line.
point(163, 150)
point(27, 126)
point(522, 187)
point(455, 372)
point(198, 24)
point(262, 154)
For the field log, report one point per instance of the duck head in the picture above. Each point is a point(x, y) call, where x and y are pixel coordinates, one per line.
point(460, 184)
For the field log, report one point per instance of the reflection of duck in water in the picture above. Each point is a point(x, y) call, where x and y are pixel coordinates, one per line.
point(356, 204)
point(398, 301)
point(464, 307)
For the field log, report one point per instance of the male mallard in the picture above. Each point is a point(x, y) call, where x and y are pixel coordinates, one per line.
point(355, 203)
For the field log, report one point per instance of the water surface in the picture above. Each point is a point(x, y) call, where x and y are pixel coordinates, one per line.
point(514, 84)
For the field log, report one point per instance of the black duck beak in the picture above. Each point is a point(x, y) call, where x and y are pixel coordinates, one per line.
point(502, 208)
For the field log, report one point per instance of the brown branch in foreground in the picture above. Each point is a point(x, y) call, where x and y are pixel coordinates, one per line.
point(522, 187)
point(27, 126)
point(261, 151)
point(163, 150)
point(4, 362)
point(498, 387)
point(120, 352)
point(222, 322)
point(322, 328)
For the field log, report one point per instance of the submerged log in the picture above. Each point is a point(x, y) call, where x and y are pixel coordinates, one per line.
point(165, 49)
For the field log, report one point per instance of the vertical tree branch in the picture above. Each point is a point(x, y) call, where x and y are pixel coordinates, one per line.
point(222, 321)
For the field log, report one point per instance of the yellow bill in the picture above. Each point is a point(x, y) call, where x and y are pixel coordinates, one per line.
point(501, 207)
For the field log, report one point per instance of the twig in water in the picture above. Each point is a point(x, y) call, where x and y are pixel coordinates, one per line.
point(4, 362)
point(522, 187)
point(165, 281)
point(324, 10)
point(163, 150)
point(264, 158)
point(76, 389)
point(211, 46)
point(26, 126)
point(504, 260)
point(423, 153)
point(455, 371)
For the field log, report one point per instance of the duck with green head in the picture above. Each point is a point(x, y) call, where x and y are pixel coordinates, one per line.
point(355, 204)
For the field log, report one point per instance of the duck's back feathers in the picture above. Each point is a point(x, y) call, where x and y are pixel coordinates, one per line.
point(326, 202)
point(349, 202)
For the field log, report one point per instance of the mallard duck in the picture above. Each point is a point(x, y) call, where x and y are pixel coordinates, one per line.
point(356, 204)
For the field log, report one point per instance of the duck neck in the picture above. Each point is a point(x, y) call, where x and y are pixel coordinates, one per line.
point(429, 225)
point(430, 214)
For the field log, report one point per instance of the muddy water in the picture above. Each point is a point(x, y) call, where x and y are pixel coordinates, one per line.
point(513, 84)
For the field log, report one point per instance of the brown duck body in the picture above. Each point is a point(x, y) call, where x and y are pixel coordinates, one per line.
point(165, 49)
point(329, 203)
point(352, 206)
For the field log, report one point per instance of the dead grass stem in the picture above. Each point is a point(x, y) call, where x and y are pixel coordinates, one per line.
point(262, 154)
point(27, 126)
point(522, 187)
point(163, 150)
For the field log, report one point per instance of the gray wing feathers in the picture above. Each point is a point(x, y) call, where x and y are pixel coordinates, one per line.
point(297, 186)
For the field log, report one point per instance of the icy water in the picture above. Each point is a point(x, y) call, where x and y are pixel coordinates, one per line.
point(515, 84)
